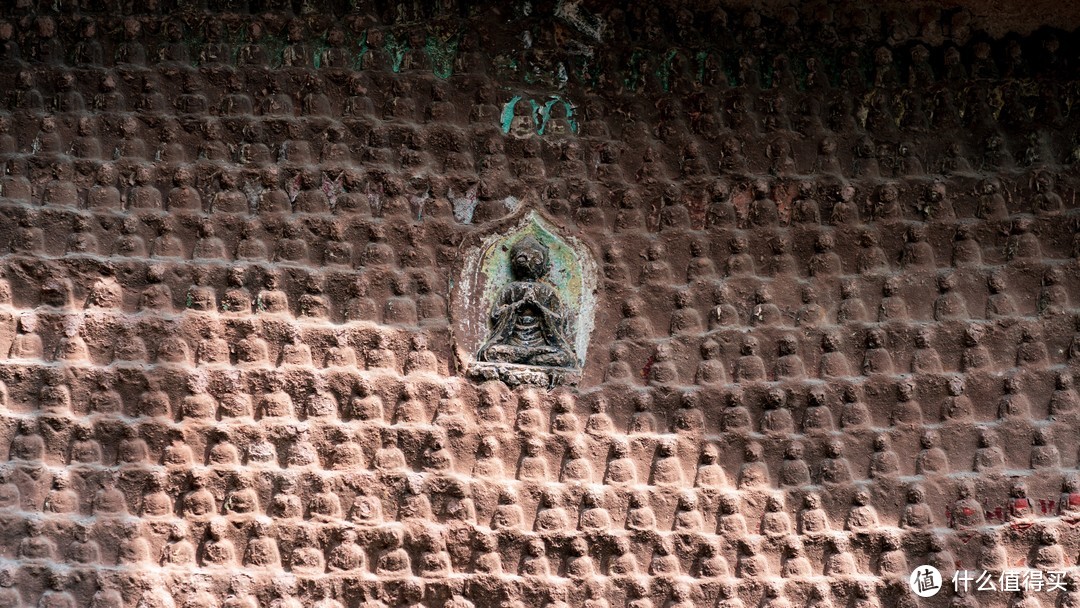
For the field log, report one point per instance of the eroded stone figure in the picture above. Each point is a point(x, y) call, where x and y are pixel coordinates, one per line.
point(528, 320)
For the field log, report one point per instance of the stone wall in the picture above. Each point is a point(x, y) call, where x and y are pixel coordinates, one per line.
point(835, 320)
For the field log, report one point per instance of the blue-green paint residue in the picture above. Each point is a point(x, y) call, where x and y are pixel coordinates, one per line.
point(442, 52)
point(361, 51)
point(321, 46)
point(634, 77)
point(507, 115)
point(541, 113)
point(664, 71)
point(397, 49)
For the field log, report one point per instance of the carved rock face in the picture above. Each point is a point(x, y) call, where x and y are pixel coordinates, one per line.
point(284, 296)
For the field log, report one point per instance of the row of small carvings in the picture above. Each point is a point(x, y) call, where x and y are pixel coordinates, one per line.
point(881, 546)
point(430, 558)
point(453, 199)
point(336, 186)
point(349, 394)
point(412, 451)
point(244, 143)
point(320, 591)
point(306, 52)
point(752, 314)
point(721, 249)
point(775, 527)
point(660, 367)
point(251, 352)
point(289, 255)
point(276, 189)
point(695, 554)
point(60, 587)
point(695, 142)
point(271, 34)
point(416, 443)
point(359, 400)
point(967, 242)
point(226, 487)
point(702, 115)
point(1022, 363)
point(321, 191)
point(302, 90)
point(298, 297)
point(624, 461)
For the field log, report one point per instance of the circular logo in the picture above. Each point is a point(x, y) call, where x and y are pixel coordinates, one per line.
point(925, 581)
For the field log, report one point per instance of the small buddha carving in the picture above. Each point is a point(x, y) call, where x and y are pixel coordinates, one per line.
point(749, 367)
point(199, 502)
point(178, 454)
point(765, 312)
point(640, 515)
point(736, 416)
point(200, 296)
point(811, 313)
point(862, 517)
point(834, 363)
point(1014, 404)
point(1023, 242)
point(989, 457)
point(250, 247)
point(178, 551)
point(213, 349)
point(379, 354)
point(754, 472)
point(789, 365)
point(61, 499)
point(932, 459)
point(218, 549)
point(906, 411)
point(851, 308)
point(1000, 303)
point(275, 402)
point(621, 469)
point(27, 343)
point(294, 352)
point(534, 465)
point(156, 502)
point(634, 325)
point(285, 504)
point(528, 321)
point(975, 355)
point(966, 512)
point(663, 371)
point(667, 468)
point(783, 262)
point(1064, 398)
point(72, 347)
point(1053, 296)
point(85, 448)
point(1044, 453)
point(793, 469)
point(361, 307)
point(926, 360)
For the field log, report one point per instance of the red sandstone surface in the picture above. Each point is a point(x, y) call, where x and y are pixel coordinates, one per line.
point(836, 331)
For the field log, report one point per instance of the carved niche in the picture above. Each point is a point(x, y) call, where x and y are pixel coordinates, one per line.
point(523, 304)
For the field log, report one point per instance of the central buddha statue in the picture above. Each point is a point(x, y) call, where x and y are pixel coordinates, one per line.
point(528, 322)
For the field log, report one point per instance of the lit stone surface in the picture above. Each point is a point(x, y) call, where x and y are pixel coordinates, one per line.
point(831, 271)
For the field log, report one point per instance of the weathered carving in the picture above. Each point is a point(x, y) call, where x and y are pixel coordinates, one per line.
point(523, 307)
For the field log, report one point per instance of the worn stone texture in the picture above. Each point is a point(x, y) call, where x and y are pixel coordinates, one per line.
point(836, 324)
